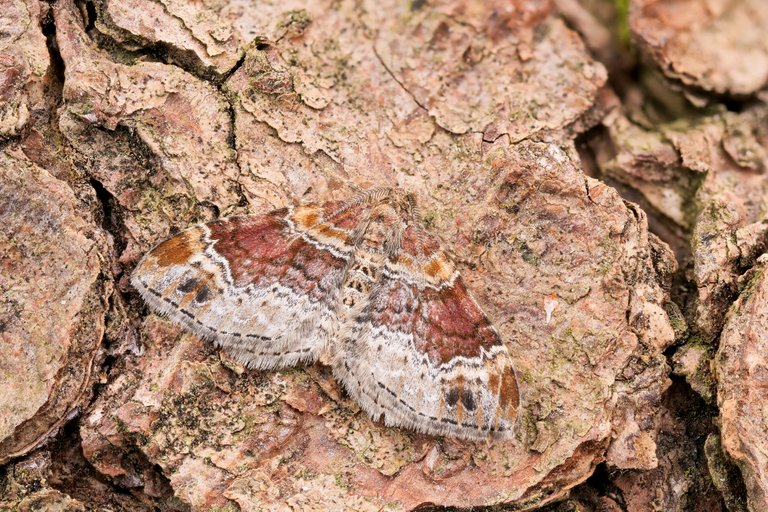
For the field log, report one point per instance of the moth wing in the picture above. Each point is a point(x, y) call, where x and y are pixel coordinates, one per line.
point(253, 285)
point(429, 360)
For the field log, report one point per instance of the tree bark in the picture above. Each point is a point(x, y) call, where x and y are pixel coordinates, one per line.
point(608, 212)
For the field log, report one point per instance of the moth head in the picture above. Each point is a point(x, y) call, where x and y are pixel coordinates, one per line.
point(385, 228)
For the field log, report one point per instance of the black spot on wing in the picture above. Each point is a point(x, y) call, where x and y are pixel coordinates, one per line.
point(203, 295)
point(452, 397)
point(189, 285)
point(468, 400)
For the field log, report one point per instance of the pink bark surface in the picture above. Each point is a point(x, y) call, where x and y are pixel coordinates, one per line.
point(124, 122)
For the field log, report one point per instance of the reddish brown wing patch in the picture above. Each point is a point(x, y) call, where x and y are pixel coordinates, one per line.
point(445, 323)
point(452, 325)
point(261, 251)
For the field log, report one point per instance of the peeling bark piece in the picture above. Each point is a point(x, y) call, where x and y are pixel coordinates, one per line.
point(182, 120)
point(694, 362)
point(196, 35)
point(648, 163)
point(717, 46)
point(500, 68)
point(707, 177)
point(732, 219)
point(24, 61)
point(142, 201)
point(742, 375)
point(647, 169)
point(203, 37)
point(51, 304)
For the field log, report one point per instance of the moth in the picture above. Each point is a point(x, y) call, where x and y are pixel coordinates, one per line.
point(357, 284)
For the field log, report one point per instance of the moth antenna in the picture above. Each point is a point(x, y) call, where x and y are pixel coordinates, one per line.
point(396, 242)
point(419, 230)
point(362, 227)
point(413, 207)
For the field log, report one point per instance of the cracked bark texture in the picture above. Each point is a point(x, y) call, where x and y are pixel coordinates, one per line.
point(741, 370)
point(715, 46)
point(24, 63)
point(51, 264)
point(122, 122)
